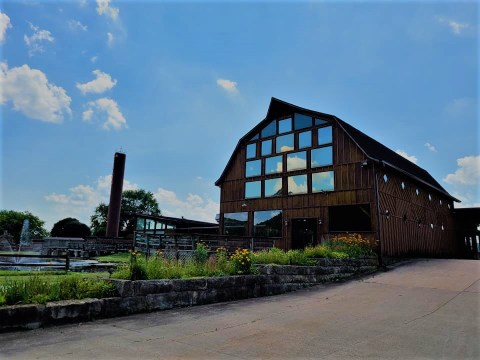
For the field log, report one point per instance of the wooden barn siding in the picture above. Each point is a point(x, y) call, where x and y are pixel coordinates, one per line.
point(408, 238)
point(353, 185)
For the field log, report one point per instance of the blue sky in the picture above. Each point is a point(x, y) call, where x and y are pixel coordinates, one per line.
point(176, 84)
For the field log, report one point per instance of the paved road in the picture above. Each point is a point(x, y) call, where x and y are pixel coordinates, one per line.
point(424, 310)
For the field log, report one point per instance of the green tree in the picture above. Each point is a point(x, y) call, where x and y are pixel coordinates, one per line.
point(133, 201)
point(70, 227)
point(12, 222)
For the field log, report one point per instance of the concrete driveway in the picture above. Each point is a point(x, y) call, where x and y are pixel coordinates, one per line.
point(428, 309)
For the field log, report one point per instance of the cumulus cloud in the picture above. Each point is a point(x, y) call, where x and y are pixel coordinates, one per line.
point(193, 207)
point(461, 107)
point(81, 200)
point(412, 158)
point(93, 59)
point(467, 173)
point(297, 188)
point(77, 25)
point(295, 163)
point(455, 26)
point(102, 83)
point(104, 8)
point(228, 85)
point(430, 147)
point(4, 25)
point(108, 107)
point(37, 39)
point(30, 93)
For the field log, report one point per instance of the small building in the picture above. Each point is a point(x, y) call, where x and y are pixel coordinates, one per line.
point(302, 176)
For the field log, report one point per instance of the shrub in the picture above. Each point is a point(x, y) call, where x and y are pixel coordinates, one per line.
point(297, 257)
point(354, 245)
point(200, 255)
point(271, 256)
point(242, 262)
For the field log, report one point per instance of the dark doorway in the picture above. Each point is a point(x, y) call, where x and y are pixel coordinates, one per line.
point(304, 233)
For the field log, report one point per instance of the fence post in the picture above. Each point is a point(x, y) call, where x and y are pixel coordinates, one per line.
point(67, 262)
point(176, 247)
point(251, 244)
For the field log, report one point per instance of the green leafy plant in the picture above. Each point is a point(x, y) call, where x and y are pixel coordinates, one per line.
point(298, 257)
point(242, 261)
point(200, 255)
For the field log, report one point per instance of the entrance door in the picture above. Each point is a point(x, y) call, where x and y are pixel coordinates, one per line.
point(304, 232)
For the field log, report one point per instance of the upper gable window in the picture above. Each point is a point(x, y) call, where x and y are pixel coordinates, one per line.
point(325, 135)
point(320, 122)
point(305, 139)
point(302, 121)
point(253, 168)
point(322, 157)
point(270, 129)
point(255, 137)
point(284, 125)
point(251, 151)
point(285, 143)
point(266, 147)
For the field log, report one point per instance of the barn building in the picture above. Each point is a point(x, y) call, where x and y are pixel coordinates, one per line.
point(300, 176)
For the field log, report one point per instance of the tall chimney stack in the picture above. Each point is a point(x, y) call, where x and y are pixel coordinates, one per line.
point(115, 205)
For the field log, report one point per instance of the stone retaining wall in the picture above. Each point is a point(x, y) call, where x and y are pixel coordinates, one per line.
point(153, 295)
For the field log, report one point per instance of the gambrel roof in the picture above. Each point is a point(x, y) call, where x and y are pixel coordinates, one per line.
point(373, 150)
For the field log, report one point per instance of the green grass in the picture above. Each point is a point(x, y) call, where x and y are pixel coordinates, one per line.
point(6, 276)
point(115, 258)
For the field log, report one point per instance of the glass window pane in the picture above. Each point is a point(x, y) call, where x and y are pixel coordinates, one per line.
point(273, 187)
point(270, 129)
point(297, 184)
point(267, 223)
point(305, 139)
point(266, 147)
point(251, 150)
point(325, 135)
point(297, 161)
point(322, 157)
point(302, 121)
point(235, 223)
point(253, 189)
point(323, 181)
point(150, 224)
point(285, 143)
point(255, 137)
point(284, 125)
point(140, 223)
point(320, 122)
point(273, 165)
point(253, 168)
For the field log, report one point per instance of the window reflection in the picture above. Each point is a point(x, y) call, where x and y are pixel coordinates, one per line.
point(325, 135)
point(285, 143)
point(273, 187)
point(320, 122)
point(297, 161)
point(284, 125)
point(255, 137)
point(322, 157)
point(273, 165)
point(270, 129)
point(297, 184)
point(266, 147)
point(253, 189)
point(302, 121)
point(251, 150)
point(267, 223)
point(305, 139)
point(323, 181)
point(235, 223)
point(253, 168)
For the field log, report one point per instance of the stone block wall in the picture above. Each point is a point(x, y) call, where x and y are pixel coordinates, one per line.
point(153, 295)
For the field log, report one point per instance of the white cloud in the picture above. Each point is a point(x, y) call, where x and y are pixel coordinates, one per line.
point(228, 85)
point(295, 162)
point(77, 25)
point(461, 107)
point(93, 59)
point(4, 25)
point(35, 42)
point(102, 83)
point(454, 25)
point(194, 207)
point(110, 39)
point(411, 158)
point(430, 147)
point(115, 118)
point(104, 8)
point(81, 200)
point(30, 93)
point(468, 172)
